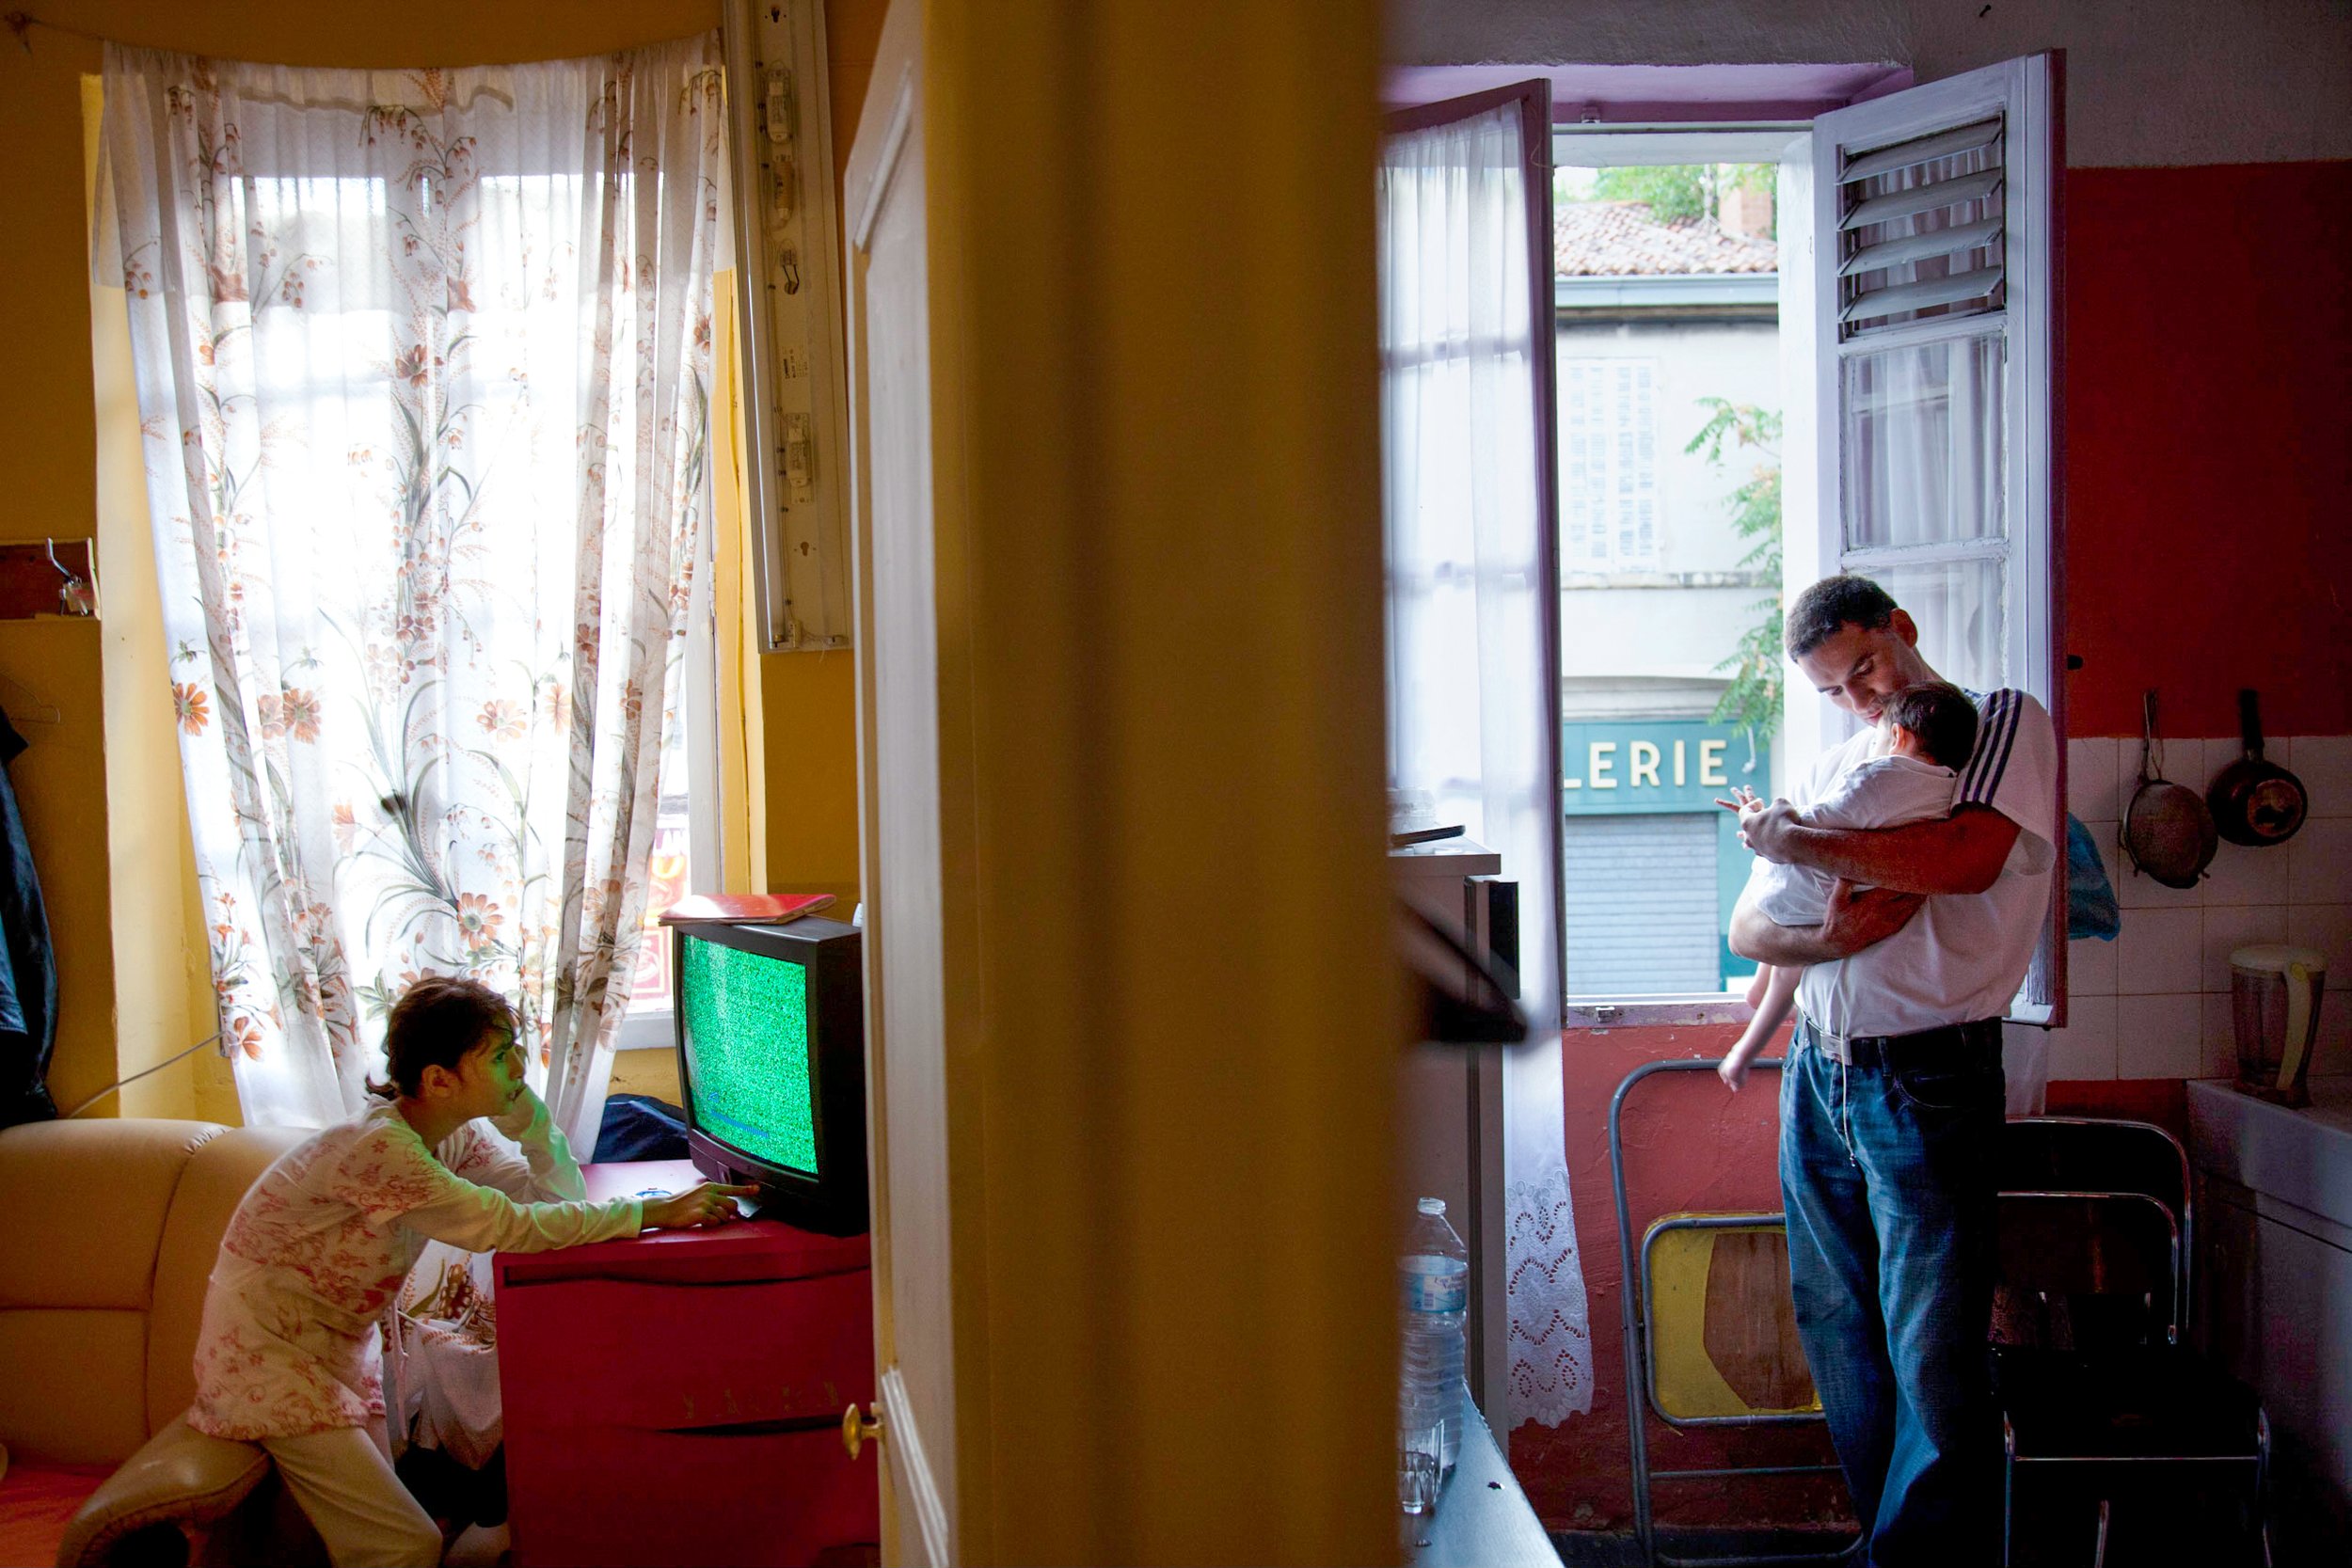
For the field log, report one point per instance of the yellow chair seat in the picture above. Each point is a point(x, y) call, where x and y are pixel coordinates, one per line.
point(1722, 1328)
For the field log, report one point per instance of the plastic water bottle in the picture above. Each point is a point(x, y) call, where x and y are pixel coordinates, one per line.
point(1434, 1276)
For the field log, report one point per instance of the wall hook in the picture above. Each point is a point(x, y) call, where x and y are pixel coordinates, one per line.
point(48, 577)
point(74, 595)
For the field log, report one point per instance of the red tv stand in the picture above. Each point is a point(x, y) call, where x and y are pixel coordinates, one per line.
point(676, 1398)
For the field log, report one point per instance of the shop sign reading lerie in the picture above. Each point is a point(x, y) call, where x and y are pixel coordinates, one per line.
point(1613, 766)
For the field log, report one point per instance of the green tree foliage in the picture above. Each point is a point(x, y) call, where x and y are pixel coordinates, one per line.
point(1752, 700)
point(1673, 192)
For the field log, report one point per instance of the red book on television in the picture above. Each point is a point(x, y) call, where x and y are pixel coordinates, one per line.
point(750, 908)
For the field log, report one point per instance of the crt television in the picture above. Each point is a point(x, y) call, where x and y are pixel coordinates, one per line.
point(772, 1060)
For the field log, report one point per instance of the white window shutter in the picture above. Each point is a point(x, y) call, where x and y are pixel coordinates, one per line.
point(1920, 229)
point(1935, 370)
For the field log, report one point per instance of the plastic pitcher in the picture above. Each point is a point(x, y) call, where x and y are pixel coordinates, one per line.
point(2274, 996)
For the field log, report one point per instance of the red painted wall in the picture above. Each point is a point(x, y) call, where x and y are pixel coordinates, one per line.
point(2209, 446)
point(1691, 1143)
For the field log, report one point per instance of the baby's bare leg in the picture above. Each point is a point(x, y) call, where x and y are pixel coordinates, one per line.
point(1780, 999)
point(1779, 987)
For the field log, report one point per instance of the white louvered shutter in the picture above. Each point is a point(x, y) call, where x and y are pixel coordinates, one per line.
point(1936, 323)
point(1919, 229)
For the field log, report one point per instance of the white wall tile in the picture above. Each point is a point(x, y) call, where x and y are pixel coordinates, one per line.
point(2324, 762)
point(2241, 874)
point(2129, 1013)
point(2111, 845)
point(2126, 771)
point(2234, 928)
point(2160, 950)
point(2319, 862)
point(2332, 1053)
point(2085, 1047)
point(2220, 1037)
point(2104, 838)
point(2159, 1037)
point(2217, 753)
point(2089, 968)
point(2090, 779)
point(2327, 927)
point(2136, 890)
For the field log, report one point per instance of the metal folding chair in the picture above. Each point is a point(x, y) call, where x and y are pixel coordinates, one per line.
point(2094, 1381)
point(1682, 1372)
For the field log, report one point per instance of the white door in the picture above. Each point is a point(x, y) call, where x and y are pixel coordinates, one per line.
point(888, 328)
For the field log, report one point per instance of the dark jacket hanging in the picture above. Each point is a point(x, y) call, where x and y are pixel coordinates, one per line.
point(28, 967)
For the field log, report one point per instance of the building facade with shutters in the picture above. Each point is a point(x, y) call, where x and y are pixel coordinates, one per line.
point(1653, 319)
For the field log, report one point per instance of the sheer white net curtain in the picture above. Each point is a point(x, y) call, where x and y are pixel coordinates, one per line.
point(424, 365)
point(1469, 715)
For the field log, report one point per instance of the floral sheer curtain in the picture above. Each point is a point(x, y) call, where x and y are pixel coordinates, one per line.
point(423, 370)
point(1467, 712)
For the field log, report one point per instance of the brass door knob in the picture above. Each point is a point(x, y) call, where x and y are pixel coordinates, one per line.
point(857, 1431)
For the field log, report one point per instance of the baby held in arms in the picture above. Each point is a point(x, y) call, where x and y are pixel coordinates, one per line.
point(1929, 732)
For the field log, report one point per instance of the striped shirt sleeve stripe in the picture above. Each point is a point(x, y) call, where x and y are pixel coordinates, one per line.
point(1988, 722)
point(1991, 759)
point(1995, 741)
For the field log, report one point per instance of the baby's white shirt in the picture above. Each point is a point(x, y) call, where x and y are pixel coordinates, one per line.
point(1881, 792)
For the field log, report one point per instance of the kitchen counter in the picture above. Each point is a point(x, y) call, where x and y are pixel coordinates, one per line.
point(1482, 1519)
point(2274, 1269)
point(2300, 1157)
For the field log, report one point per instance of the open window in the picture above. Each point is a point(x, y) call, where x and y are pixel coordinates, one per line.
point(1467, 454)
point(1666, 288)
point(1784, 350)
point(686, 855)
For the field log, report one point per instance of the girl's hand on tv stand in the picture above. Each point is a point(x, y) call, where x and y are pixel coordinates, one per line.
point(710, 1203)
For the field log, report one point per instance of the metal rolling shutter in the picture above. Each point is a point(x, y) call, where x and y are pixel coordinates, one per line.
point(1642, 904)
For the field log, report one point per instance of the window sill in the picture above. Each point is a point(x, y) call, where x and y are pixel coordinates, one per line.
point(1600, 1014)
point(646, 1029)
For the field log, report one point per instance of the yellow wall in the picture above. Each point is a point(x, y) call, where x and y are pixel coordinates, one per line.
point(49, 451)
point(163, 991)
point(810, 714)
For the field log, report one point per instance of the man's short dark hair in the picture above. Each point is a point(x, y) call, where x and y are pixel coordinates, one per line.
point(1844, 600)
point(1942, 715)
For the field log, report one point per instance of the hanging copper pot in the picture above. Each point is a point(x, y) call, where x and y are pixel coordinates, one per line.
point(2255, 801)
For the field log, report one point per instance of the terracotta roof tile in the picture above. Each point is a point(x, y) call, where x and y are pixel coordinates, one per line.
point(1618, 239)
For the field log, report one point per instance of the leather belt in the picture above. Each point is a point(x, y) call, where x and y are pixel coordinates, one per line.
point(1945, 1045)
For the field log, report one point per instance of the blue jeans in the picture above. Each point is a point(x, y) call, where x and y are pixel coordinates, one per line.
point(1888, 1177)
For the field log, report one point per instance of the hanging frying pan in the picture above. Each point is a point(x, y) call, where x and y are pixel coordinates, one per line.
point(2255, 801)
point(2167, 830)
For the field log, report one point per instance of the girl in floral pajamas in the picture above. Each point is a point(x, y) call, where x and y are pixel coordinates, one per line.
point(288, 1356)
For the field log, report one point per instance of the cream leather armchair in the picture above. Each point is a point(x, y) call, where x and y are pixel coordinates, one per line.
point(108, 1230)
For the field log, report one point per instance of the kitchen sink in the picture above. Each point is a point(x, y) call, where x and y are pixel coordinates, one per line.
point(2302, 1157)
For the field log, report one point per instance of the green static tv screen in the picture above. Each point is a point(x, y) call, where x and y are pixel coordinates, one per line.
point(747, 1066)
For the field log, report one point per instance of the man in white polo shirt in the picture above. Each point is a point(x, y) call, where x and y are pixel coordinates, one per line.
point(1892, 1102)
